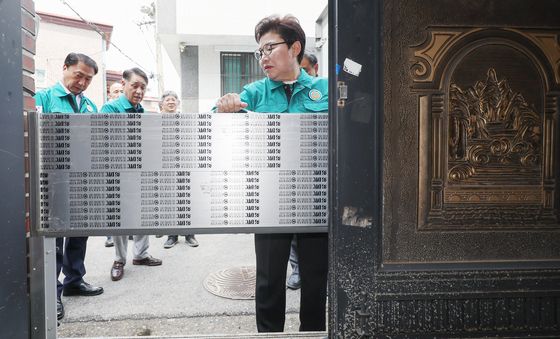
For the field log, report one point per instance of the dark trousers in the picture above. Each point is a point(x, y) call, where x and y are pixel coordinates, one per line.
point(70, 255)
point(273, 252)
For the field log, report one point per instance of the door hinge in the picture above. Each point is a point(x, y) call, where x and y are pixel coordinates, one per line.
point(342, 93)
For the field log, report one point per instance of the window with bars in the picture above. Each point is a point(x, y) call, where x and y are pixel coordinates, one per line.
point(238, 70)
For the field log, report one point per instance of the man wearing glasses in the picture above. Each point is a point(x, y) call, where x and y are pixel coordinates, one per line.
point(286, 89)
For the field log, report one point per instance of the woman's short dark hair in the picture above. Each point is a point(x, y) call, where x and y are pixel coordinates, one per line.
point(73, 59)
point(287, 27)
point(135, 70)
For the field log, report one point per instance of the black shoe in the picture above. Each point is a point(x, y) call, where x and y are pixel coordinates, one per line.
point(171, 241)
point(59, 309)
point(83, 289)
point(148, 261)
point(190, 240)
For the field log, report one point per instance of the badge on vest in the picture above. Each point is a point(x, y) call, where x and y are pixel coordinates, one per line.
point(89, 108)
point(315, 95)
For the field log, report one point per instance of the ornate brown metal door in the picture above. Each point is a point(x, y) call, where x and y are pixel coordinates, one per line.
point(446, 171)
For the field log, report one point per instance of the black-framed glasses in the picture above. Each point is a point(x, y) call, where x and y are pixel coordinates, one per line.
point(267, 49)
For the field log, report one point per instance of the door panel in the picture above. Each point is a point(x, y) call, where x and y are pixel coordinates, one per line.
point(446, 217)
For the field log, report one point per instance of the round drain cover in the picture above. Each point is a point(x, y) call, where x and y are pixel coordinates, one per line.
point(232, 283)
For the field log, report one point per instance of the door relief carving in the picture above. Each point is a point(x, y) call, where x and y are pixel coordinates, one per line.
point(487, 129)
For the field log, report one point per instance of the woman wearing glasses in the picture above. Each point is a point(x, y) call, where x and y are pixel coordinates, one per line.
point(286, 89)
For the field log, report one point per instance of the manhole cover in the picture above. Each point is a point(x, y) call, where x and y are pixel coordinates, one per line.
point(232, 283)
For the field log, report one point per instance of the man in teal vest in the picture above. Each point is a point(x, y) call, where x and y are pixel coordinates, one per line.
point(134, 83)
point(66, 96)
point(310, 65)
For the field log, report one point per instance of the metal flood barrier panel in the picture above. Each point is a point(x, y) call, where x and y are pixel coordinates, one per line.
point(96, 174)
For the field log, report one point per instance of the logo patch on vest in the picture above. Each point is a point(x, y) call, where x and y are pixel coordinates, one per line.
point(315, 95)
point(89, 108)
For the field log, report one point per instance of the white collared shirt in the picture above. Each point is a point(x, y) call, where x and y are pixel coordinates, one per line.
point(78, 97)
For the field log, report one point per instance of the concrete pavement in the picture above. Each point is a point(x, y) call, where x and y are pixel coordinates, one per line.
point(169, 299)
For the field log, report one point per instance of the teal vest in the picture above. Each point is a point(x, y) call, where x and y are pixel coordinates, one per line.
point(309, 94)
point(121, 105)
point(55, 100)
